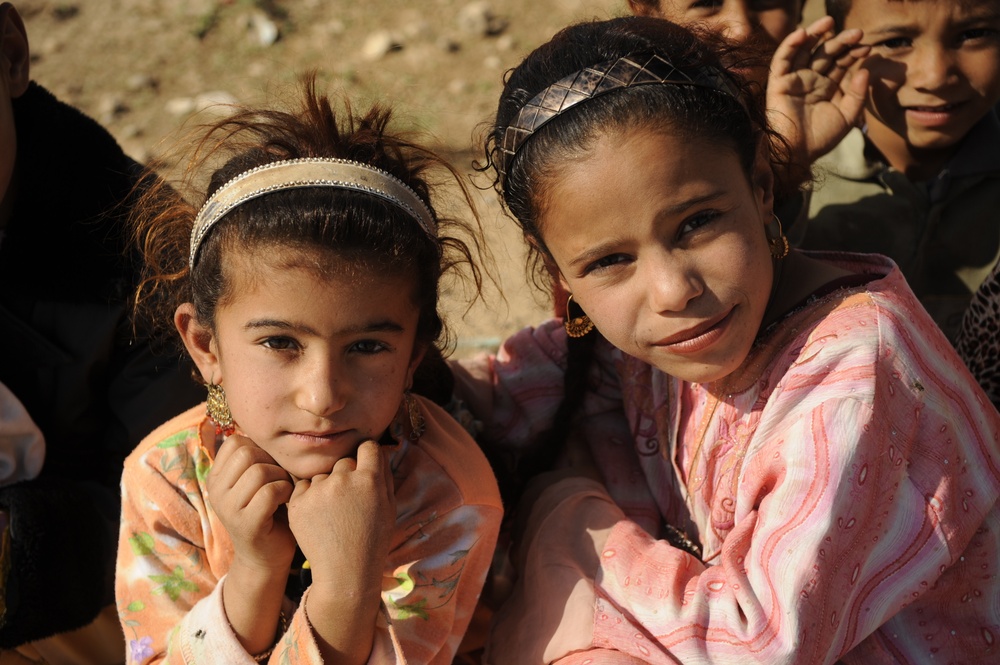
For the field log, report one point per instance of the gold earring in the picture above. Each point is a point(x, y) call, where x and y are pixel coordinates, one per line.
point(579, 326)
point(218, 410)
point(777, 242)
point(417, 423)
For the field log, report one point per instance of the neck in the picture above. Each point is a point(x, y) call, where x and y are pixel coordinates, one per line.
point(919, 165)
point(796, 277)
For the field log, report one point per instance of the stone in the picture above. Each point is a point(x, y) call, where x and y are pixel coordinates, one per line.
point(379, 44)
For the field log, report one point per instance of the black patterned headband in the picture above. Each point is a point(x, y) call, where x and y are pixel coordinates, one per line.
point(308, 172)
point(625, 72)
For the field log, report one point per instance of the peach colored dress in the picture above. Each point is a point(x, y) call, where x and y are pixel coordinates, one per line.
point(174, 553)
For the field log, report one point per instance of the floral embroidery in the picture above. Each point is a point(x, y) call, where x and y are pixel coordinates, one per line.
point(139, 650)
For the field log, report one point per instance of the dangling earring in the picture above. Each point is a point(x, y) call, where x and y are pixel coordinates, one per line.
point(579, 326)
point(417, 424)
point(218, 410)
point(776, 240)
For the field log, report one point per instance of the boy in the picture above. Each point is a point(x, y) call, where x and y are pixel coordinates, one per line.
point(740, 20)
point(921, 182)
point(71, 358)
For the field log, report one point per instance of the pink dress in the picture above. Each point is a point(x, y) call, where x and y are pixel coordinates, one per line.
point(173, 552)
point(843, 484)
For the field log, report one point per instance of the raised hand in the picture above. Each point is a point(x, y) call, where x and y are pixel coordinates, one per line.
point(344, 522)
point(815, 94)
point(248, 491)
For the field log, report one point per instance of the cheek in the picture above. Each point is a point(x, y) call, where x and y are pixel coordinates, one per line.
point(778, 24)
point(984, 72)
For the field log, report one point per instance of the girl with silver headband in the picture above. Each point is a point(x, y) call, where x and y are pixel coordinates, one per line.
point(315, 509)
point(752, 454)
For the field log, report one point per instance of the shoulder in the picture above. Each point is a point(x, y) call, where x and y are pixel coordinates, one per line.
point(868, 335)
point(180, 439)
point(447, 457)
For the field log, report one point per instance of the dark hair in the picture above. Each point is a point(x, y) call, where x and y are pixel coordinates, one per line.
point(738, 122)
point(838, 9)
point(735, 119)
point(359, 229)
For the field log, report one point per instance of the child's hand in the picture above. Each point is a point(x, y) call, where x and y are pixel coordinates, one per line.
point(813, 97)
point(344, 522)
point(248, 490)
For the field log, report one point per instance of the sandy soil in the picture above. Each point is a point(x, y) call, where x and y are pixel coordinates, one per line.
point(140, 66)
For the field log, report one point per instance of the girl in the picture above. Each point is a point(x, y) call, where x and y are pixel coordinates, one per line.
point(790, 463)
point(318, 511)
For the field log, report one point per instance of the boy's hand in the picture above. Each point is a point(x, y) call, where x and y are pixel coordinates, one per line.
point(248, 490)
point(344, 523)
point(813, 96)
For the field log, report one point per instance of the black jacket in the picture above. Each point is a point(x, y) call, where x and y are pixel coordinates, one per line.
point(68, 352)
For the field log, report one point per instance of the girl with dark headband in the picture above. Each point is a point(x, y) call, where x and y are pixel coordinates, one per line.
point(760, 455)
point(315, 509)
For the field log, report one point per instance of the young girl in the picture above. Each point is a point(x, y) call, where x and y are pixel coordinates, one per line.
point(316, 510)
point(790, 463)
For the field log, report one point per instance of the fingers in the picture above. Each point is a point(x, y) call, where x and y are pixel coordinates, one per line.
point(370, 457)
point(852, 103)
point(819, 49)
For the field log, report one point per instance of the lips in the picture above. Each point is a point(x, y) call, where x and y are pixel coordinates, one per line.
point(937, 108)
point(318, 437)
point(935, 115)
point(698, 337)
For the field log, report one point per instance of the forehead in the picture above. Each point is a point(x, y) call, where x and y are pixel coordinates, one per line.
point(677, 7)
point(872, 14)
point(271, 270)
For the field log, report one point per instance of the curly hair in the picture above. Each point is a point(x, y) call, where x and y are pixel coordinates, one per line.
point(362, 231)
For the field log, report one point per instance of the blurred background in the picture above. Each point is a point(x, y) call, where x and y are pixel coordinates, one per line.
point(149, 69)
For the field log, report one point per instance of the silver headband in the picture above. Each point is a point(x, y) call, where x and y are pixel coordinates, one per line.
point(625, 72)
point(307, 172)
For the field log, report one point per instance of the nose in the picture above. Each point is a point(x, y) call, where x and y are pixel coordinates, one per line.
point(322, 390)
point(671, 282)
point(737, 22)
point(931, 68)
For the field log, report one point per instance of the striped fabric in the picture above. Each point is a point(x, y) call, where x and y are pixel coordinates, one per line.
point(843, 484)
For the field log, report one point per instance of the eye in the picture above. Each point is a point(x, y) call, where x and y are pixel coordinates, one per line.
point(698, 220)
point(606, 262)
point(976, 34)
point(768, 5)
point(894, 44)
point(705, 6)
point(368, 347)
point(280, 343)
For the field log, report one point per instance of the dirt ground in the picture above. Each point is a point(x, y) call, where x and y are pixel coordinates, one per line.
point(144, 68)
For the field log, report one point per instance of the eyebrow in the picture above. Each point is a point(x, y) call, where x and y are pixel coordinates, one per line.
point(985, 16)
point(375, 326)
point(603, 249)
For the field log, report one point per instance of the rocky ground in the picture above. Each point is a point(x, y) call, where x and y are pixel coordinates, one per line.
point(147, 69)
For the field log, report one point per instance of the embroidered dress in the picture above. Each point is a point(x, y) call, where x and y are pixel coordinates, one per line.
point(174, 552)
point(843, 485)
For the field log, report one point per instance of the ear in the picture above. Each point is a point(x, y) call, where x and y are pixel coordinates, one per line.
point(419, 350)
point(763, 182)
point(14, 56)
point(640, 8)
point(199, 340)
point(547, 261)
